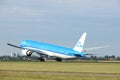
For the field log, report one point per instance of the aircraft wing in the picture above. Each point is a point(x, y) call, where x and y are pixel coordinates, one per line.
point(15, 46)
point(88, 49)
point(30, 49)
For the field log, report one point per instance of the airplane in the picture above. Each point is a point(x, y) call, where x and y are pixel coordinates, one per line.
point(57, 52)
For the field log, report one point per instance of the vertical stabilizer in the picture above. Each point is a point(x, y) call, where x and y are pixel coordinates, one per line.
point(79, 46)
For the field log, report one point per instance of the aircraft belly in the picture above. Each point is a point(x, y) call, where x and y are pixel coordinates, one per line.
point(49, 53)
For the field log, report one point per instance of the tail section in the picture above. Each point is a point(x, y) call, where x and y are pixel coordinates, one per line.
point(79, 46)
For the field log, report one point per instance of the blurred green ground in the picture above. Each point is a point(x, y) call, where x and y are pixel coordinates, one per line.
point(59, 71)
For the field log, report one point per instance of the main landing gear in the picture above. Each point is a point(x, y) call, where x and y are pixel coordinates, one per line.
point(58, 59)
point(41, 59)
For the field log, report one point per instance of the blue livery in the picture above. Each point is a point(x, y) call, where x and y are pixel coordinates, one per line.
point(51, 48)
point(58, 52)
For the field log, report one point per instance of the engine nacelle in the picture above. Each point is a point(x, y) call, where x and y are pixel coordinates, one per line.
point(27, 52)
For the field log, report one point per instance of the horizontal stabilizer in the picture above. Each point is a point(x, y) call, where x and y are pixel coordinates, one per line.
point(88, 49)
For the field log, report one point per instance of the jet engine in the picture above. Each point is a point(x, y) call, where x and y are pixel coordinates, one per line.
point(27, 52)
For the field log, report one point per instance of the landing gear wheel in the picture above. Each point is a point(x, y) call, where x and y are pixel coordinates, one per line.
point(41, 59)
point(58, 59)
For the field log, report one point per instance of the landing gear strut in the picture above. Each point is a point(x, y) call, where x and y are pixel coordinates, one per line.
point(58, 59)
point(41, 59)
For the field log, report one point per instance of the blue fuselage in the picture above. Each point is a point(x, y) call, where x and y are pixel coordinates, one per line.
point(29, 44)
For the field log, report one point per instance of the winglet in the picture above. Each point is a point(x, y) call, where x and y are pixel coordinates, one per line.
point(79, 46)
